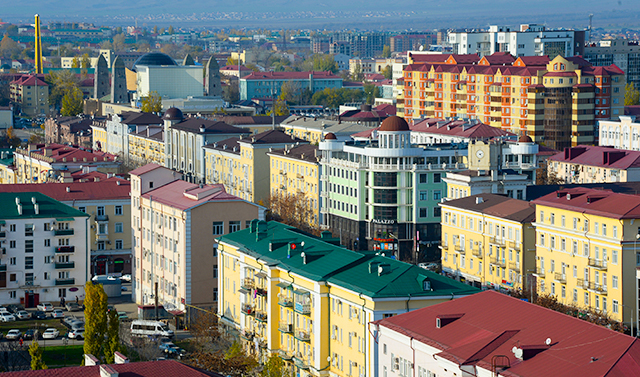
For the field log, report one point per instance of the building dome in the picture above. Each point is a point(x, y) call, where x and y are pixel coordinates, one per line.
point(154, 58)
point(525, 139)
point(330, 136)
point(173, 113)
point(394, 124)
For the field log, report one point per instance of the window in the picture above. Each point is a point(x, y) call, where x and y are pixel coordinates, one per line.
point(118, 244)
point(553, 219)
point(100, 211)
point(82, 209)
point(437, 177)
point(28, 263)
point(12, 261)
point(118, 210)
point(28, 278)
point(47, 276)
point(423, 178)
point(218, 227)
point(604, 229)
point(119, 228)
point(614, 282)
point(614, 306)
point(12, 227)
point(28, 230)
point(101, 245)
point(47, 242)
point(28, 246)
point(423, 212)
point(234, 226)
point(437, 211)
point(423, 195)
point(614, 256)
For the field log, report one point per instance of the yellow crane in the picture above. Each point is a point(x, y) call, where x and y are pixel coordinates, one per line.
point(38, 55)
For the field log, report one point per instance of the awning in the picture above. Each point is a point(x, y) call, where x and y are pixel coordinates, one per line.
point(65, 219)
point(301, 292)
point(283, 285)
point(176, 312)
point(261, 275)
point(242, 290)
point(2, 222)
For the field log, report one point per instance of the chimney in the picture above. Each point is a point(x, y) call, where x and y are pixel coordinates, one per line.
point(373, 267)
point(479, 200)
point(107, 371)
point(384, 268)
point(262, 230)
point(120, 358)
point(90, 360)
point(68, 189)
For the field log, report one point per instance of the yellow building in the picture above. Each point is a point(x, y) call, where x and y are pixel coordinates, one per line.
point(296, 170)
point(314, 130)
point(488, 241)
point(241, 164)
point(310, 301)
point(7, 168)
point(147, 146)
point(591, 164)
point(586, 249)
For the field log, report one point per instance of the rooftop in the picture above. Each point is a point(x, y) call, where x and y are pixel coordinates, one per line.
point(605, 157)
point(206, 126)
point(317, 75)
point(326, 261)
point(47, 207)
point(460, 128)
point(604, 203)
point(489, 324)
point(65, 154)
point(109, 189)
point(184, 195)
point(496, 205)
point(271, 137)
point(303, 152)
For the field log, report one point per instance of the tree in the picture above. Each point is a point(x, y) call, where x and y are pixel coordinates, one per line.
point(152, 103)
point(155, 29)
point(357, 74)
point(170, 29)
point(386, 51)
point(387, 72)
point(85, 63)
point(9, 47)
point(324, 62)
point(113, 334)
point(75, 63)
point(60, 82)
point(295, 210)
point(546, 177)
point(631, 95)
point(119, 42)
point(72, 102)
point(36, 356)
point(95, 318)
point(280, 107)
point(274, 367)
point(371, 92)
point(232, 61)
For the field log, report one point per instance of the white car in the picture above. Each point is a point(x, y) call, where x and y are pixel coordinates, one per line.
point(76, 334)
point(13, 334)
point(50, 333)
point(126, 277)
point(45, 307)
point(7, 317)
point(3, 310)
point(57, 313)
point(23, 314)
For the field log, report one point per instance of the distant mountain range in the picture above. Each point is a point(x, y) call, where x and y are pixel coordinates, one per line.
point(301, 13)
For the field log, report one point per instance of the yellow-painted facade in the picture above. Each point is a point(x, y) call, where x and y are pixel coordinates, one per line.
point(146, 150)
point(587, 260)
point(7, 174)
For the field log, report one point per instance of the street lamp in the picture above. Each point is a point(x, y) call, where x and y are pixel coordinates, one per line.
point(65, 341)
point(396, 252)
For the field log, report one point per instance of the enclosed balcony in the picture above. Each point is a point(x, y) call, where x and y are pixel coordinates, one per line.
point(248, 309)
point(65, 265)
point(286, 328)
point(63, 232)
point(68, 281)
point(302, 335)
point(284, 355)
point(284, 300)
point(248, 283)
point(65, 249)
point(300, 363)
point(302, 302)
point(261, 316)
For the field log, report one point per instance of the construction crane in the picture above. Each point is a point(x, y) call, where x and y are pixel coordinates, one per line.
point(38, 43)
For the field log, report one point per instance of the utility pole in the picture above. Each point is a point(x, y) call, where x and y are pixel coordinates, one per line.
point(155, 287)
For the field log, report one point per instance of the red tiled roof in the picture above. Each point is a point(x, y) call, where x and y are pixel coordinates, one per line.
point(145, 169)
point(173, 194)
point(319, 75)
point(60, 152)
point(534, 60)
point(493, 323)
point(560, 74)
point(107, 189)
point(605, 157)
point(160, 368)
point(459, 128)
point(387, 108)
point(597, 202)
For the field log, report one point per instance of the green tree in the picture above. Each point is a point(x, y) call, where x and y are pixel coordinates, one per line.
point(86, 62)
point(631, 95)
point(9, 47)
point(152, 103)
point(386, 51)
point(232, 61)
point(387, 72)
point(324, 62)
point(75, 63)
point(72, 102)
point(170, 29)
point(357, 74)
point(119, 42)
point(113, 335)
point(371, 92)
point(95, 318)
point(119, 30)
point(60, 82)
point(155, 29)
point(274, 367)
point(280, 107)
point(36, 356)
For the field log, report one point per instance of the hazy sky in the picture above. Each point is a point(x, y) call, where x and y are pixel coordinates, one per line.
point(461, 13)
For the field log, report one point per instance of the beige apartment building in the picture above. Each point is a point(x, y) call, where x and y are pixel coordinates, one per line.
point(591, 164)
point(175, 226)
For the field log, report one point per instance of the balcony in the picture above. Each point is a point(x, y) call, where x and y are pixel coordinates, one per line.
point(602, 289)
point(560, 277)
point(498, 241)
point(261, 316)
point(248, 283)
point(284, 355)
point(3, 267)
point(477, 253)
point(285, 301)
point(286, 328)
point(102, 236)
point(63, 232)
point(102, 217)
point(3, 234)
point(498, 261)
point(69, 281)
point(300, 363)
point(514, 266)
point(600, 264)
point(65, 249)
point(248, 309)
point(458, 248)
point(584, 284)
point(261, 292)
point(514, 245)
point(302, 335)
point(302, 308)
point(65, 265)
point(247, 335)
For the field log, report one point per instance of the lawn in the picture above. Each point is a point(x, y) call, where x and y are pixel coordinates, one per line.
point(31, 324)
point(55, 356)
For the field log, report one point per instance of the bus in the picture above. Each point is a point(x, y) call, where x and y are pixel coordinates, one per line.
point(150, 328)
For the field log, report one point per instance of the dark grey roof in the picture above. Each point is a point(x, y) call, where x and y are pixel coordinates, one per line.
point(154, 58)
point(195, 125)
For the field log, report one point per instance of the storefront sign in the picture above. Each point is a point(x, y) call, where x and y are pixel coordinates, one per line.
point(386, 222)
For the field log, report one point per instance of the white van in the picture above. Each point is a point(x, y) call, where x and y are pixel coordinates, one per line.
point(150, 328)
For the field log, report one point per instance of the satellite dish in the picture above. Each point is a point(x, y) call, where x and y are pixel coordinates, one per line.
point(514, 349)
point(548, 341)
point(518, 353)
point(421, 48)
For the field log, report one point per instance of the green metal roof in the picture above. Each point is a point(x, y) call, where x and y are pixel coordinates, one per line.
point(48, 207)
point(339, 266)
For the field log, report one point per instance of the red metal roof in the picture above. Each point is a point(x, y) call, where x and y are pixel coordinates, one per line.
point(597, 202)
point(605, 157)
point(493, 324)
point(173, 194)
point(460, 128)
point(108, 189)
point(60, 152)
point(145, 169)
point(319, 75)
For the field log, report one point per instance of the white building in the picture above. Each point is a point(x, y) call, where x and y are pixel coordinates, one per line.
point(45, 249)
point(112, 135)
point(529, 40)
point(622, 134)
point(624, 53)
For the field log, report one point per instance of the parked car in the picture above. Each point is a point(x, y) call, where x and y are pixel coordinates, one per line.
point(122, 315)
point(7, 317)
point(73, 307)
point(45, 307)
point(39, 314)
point(164, 340)
point(50, 333)
point(123, 289)
point(76, 334)
point(174, 351)
point(14, 334)
point(23, 314)
point(57, 313)
point(29, 334)
point(126, 277)
point(110, 308)
point(3, 310)
point(15, 308)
